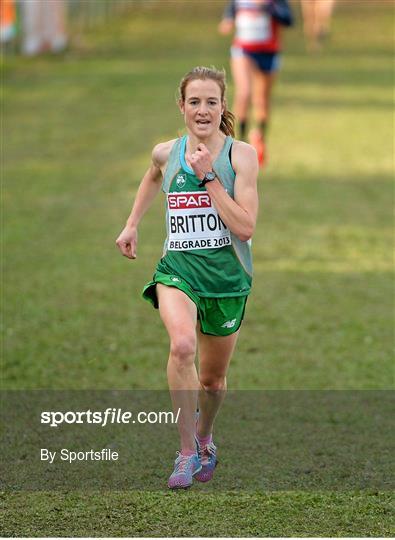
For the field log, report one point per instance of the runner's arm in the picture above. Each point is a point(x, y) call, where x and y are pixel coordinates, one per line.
point(148, 189)
point(226, 25)
point(239, 214)
point(230, 10)
point(281, 11)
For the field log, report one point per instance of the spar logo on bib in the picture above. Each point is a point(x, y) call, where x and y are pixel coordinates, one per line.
point(194, 223)
point(180, 181)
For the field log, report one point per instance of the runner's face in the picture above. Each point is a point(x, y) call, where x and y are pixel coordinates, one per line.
point(202, 108)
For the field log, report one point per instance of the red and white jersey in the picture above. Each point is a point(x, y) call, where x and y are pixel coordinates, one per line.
point(256, 30)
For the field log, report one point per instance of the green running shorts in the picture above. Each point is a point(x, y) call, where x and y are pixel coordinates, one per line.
point(217, 316)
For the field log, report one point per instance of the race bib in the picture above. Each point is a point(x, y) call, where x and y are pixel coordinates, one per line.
point(194, 223)
point(253, 27)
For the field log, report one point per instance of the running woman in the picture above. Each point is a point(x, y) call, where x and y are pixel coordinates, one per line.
point(255, 60)
point(202, 281)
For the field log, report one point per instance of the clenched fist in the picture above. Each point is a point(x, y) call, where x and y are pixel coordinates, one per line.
point(200, 161)
point(127, 242)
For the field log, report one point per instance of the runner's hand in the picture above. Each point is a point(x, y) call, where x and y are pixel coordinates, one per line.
point(127, 242)
point(200, 161)
point(226, 26)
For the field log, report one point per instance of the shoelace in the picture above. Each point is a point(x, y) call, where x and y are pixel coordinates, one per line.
point(181, 463)
point(206, 451)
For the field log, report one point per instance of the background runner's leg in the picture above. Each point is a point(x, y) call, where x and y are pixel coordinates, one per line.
point(241, 71)
point(309, 22)
point(262, 87)
point(179, 315)
point(325, 8)
point(215, 353)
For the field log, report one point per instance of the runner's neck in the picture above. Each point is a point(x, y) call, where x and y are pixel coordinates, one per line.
point(214, 145)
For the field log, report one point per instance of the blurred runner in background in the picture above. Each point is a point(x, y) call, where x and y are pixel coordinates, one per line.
point(7, 20)
point(255, 59)
point(43, 26)
point(317, 15)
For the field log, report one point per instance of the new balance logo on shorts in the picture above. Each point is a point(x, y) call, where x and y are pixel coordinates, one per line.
point(229, 324)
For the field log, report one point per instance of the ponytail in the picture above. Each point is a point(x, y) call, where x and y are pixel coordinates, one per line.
point(227, 125)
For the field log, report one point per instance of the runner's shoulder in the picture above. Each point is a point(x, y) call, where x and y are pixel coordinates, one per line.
point(161, 152)
point(243, 154)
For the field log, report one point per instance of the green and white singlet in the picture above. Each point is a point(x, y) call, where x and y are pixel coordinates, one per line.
point(199, 247)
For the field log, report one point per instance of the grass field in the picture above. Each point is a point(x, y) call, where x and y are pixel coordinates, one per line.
point(78, 131)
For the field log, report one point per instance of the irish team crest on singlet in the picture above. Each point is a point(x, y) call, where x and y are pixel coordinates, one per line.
point(180, 181)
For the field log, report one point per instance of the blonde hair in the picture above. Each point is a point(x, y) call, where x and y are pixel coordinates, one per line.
point(219, 76)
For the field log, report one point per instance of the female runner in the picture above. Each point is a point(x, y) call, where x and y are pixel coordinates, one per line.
point(202, 281)
point(255, 59)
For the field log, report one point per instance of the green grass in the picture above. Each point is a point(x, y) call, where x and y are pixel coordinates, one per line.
point(191, 514)
point(78, 134)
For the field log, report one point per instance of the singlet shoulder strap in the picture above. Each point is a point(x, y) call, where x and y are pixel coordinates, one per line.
point(223, 166)
point(183, 145)
point(173, 166)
